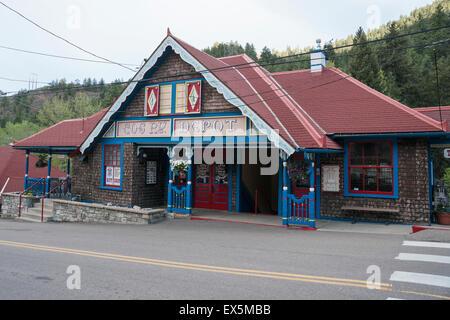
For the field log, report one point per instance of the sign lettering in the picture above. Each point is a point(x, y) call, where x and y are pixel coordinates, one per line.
point(144, 129)
point(210, 127)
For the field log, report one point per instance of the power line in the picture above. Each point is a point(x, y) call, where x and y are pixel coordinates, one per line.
point(61, 57)
point(239, 67)
point(63, 39)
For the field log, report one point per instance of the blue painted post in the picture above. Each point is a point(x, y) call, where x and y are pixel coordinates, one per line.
point(318, 186)
point(285, 194)
point(230, 188)
point(189, 188)
point(430, 182)
point(238, 187)
point(69, 187)
point(312, 198)
point(49, 172)
point(27, 166)
point(280, 189)
point(169, 193)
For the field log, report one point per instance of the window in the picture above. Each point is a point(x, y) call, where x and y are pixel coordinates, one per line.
point(371, 167)
point(112, 160)
point(165, 99)
point(180, 104)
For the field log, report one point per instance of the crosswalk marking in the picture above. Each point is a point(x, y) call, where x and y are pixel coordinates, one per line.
point(423, 257)
point(443, 245)
point(421, 278)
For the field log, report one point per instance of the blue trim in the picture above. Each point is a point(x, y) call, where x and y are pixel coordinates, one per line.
point(107, 143)
point(430, 181)
point(179, 115)
point(49, 172)
point(394, 165)
point(318, 174)
point(238, 187)
point(174, 82)
point(382, 136)
point(280, 191)
point(230, 188)
point(320, 150)
point(27, 165)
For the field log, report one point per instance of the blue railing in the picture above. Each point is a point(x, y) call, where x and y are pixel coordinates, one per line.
point(301, 211)
point(35, 186)
point(180, 199)
point(39, 186)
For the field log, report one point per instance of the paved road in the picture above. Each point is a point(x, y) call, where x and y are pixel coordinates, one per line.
point(180, 259)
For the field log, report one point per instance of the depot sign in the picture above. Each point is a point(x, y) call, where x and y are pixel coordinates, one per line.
point(210, 127)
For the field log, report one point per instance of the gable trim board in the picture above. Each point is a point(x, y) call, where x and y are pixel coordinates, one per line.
point(229, 95)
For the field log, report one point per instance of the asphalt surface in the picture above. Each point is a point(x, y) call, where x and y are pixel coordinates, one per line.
point(182, 259)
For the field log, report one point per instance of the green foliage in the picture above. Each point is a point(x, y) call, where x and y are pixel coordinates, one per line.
point(446, 177)
point(17, 131)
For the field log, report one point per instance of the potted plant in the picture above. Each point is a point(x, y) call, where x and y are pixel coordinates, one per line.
point(443, 215)
point(180, 167)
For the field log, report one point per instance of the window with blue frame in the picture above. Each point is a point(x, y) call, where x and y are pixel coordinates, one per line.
point(371, 168)
point(112, 166)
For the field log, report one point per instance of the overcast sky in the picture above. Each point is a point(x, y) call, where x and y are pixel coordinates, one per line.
point(129, 31)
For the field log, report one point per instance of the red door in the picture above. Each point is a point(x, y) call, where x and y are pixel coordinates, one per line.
point(211, 186)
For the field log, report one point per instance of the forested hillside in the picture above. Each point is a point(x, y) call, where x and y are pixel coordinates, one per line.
point(407, 75)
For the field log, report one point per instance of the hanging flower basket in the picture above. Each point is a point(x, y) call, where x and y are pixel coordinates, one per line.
point(180, 167)
point(298, 171)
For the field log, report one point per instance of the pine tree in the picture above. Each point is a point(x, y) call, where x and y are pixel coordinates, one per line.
point(364, 64)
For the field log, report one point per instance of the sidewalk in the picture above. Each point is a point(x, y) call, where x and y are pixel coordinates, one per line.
point(363, 227)
point(321, 225)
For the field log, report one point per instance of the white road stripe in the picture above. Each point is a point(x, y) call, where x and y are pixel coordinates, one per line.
point(393, 299)
point(421, 278)
point(423, 257)
point(443, 245)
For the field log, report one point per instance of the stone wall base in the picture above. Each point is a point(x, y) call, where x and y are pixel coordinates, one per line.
point(71, 211)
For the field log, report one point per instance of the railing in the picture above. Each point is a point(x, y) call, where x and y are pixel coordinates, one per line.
point(301, 211)
point(179, 199)
point(48, 193)
point(37, 185)
point(28, 189)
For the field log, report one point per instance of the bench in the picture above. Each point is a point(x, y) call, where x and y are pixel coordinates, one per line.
point(369, 209)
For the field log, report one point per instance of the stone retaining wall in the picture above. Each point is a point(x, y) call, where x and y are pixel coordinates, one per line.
point(10, 205)
point(71, 211)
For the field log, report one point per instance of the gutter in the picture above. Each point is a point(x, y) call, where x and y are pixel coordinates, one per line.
point(400, 135)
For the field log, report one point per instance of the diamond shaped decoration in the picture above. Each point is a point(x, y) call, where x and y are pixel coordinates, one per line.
point(152, 102)
point(193, 97)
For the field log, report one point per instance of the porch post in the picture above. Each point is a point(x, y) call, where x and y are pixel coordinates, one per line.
point(285, 192)
point(238, 187)
point(169, 192)
point(312, 191)
point(27, 165)
point(69, 187)
point(189, 183)
point(49, 172)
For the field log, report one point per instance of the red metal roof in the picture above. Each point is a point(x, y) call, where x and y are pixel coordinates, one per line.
point(67, 133)
point(341, 104)
point(12, 165)
point(436, 113)
point(304, 107)
point(258, 90)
